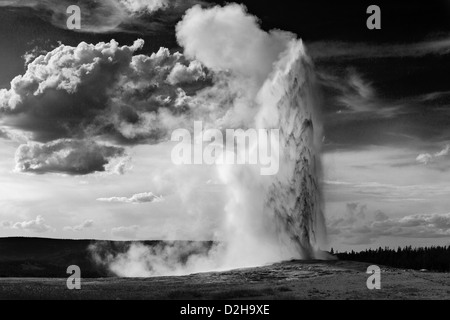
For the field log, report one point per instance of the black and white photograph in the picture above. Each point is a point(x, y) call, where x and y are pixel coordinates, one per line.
point(196, 150)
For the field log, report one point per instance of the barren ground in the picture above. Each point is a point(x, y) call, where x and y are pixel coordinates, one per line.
point(287, 280)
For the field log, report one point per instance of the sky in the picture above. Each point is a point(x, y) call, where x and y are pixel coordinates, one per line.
point(84, 119)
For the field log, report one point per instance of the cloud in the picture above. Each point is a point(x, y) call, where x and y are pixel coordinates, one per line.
point(424, 158)
point(6, 224)
point(354, 214)
point(107, 16)
point(186, 74)
point(109, 92)
point(427, 158)
point(380, 216)
point(81, 227)
point(144, 5)
point(228, 38)
point(38, 225)
point(3, 134)
point(102, 90)
point(337, 50)
point(161, 259)
point(443, 152)
point(391, 192)
point(73, 157)
point(350, 96)
point(362, 231)
point(356, 210)
point(145, 197)
point(129, 232)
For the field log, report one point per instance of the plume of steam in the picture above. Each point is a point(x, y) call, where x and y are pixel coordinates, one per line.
point(290, 101)
point(140, 260)
point(272, 218)
point(265, 80)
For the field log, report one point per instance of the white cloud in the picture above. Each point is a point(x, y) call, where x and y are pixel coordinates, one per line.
point(145, 197)
point(357, 230)
point(129, 232)
point(104, 90)
point(38, 225)
point(427, 158)
point(424, 158)
point(186, 74)
point(6, 224)
point(443, 152)
point(144, 5)
point(81, 227)
point(228, 38)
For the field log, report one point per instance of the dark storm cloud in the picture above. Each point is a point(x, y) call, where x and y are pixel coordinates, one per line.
point(141, 16)
point(101, 90)
point(73, 157)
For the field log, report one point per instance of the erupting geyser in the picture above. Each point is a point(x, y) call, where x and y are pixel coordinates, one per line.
point(272, 218)
point(294, 196)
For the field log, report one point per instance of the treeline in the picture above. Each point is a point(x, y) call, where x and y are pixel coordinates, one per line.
point(429, 258)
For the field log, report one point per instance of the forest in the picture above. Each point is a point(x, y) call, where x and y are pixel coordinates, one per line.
point(436, 258)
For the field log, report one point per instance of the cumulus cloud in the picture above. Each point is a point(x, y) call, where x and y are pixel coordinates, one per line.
point(81, 227)
point(129, 232)
point(30, 55)
point(228, 38)
point(101, 90)
point(144, 5)
point(109, 92)
point(361, 230)
point(427, 158)
point(182, 73)
point(145, 197)
point(74, 157)
point(354, 214)
point(38, 225)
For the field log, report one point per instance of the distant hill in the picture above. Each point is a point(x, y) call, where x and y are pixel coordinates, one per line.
point(42, 257)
